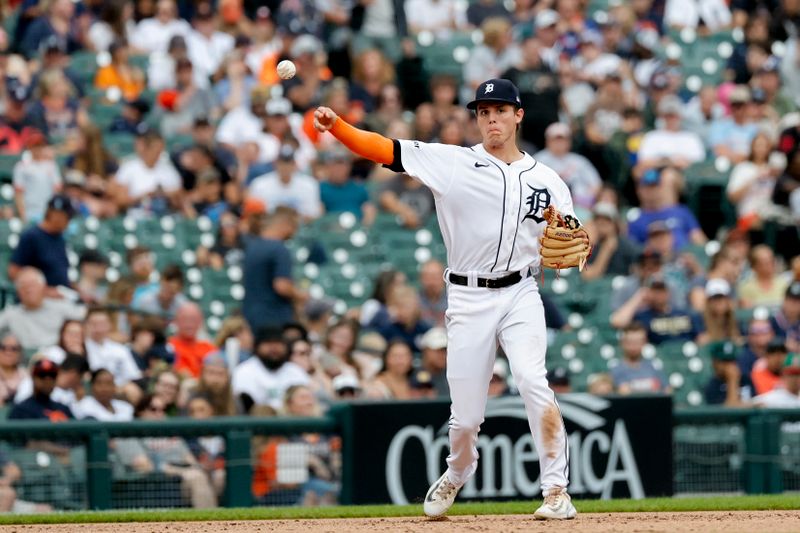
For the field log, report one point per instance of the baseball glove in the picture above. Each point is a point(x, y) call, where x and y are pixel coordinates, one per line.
point(562, 243)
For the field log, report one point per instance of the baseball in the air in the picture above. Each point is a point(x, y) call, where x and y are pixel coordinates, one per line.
point(286, 69)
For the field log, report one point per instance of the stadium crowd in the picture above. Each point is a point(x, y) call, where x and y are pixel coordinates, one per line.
point(212, 132)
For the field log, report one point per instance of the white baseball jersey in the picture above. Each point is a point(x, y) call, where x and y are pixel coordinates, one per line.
point(490, 212)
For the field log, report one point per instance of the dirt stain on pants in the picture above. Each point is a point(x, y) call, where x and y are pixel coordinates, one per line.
point(551, 427)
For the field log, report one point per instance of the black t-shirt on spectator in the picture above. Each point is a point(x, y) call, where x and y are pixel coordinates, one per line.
point(40, 409)
point(45, 251)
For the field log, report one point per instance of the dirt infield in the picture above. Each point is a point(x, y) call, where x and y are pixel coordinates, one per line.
point(697, 522)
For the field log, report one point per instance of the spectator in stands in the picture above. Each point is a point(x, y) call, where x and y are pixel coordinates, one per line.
point(766, 373)
point(234, 89)
point(786, 320)
point(759, 336)
point(148, 345)
point(114, 22)
point(340, 193)
point(91, 285)
point(168, 299)
point(70, 341)
point(719, 315)
point(102, 352)
point(728, 386)
point(215, 385)
point(613, 253)
point(56, 111)
point(269, 288)
point(576, 171)
point(788, 394)
point(12, 373)
point(440, 17)
point(149, 181)
point(264, 379)
point(35, 321)
point(374, 312)
point(714, 15)
point(184, 103)
point(701, 111)
point(228, 246)
point(753, 182)
point(658, 196)
point(539, 91)
point(39, 405)
point(434, 359)
point(478, 12)
point(188, 347)
point(154, 34)
point(432, 292)
point(323, 459)
point(209, 451)
point(406, 321)
point(318, 314)
point(241, 126)
point(168, 455)
point(394, 381)
point(305, 89)
point(69, 381)
point(497, 53)
point(345, 387)
point(669, 145)
point(207, 46)
point(421, 385)
point(36, 179)
point(287, 187)
point(235, 339)
point(10, 474)
point(56, 21)
point(558, 378)
point(120, 74)
point(634, 374)
point(15, 123)
point(764, 286)
point(166, 388)
point(43, 246)
point(731, 137)
point(101, 404)
point(340, 343)
point(131, 117)
point(663, 321)
point(649, 263)
point(408, 199)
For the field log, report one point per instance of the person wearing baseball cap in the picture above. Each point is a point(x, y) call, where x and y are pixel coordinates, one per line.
point(786, 320)
point(577, 171)
point(40, 406)
point(728, 386)
point(43, 246)
point(487, 249)
point(787, 394)
point(730, 137)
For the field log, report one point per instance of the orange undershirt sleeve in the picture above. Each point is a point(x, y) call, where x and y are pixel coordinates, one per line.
point(366, 144)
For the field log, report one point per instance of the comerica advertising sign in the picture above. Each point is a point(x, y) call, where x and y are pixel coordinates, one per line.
point(619, 447)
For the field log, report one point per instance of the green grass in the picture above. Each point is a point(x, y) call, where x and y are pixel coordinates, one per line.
point(716, 503)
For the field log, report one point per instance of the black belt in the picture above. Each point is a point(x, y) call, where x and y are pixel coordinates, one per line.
point(496, 283)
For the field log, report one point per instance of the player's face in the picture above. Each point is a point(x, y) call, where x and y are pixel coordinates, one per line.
point(498, 123)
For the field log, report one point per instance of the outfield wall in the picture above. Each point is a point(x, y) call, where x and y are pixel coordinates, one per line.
point(381, 453)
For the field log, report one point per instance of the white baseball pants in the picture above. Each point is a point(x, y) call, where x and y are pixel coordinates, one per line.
point(477, 318)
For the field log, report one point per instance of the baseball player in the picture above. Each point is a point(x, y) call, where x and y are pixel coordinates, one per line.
point(492, 201)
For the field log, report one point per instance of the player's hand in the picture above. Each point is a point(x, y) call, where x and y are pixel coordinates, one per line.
point(324, 118)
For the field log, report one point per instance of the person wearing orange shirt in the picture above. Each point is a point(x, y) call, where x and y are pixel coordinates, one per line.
point(189, 350)
point(766, 374)
point(120, 73)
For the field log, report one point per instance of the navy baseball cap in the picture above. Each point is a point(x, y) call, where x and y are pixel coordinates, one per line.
point(62, 202)
point(496, 90)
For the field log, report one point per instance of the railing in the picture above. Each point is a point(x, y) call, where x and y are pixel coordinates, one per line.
point(757, 450)
point(715, 450)
point(236, 431)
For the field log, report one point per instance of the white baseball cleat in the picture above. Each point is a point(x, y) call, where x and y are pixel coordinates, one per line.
point(557, 506)
point(440, 497)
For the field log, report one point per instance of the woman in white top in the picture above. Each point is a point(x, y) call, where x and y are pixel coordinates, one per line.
point(12, 373)
point(70, 340)
point(752, 181)
point(101, 404)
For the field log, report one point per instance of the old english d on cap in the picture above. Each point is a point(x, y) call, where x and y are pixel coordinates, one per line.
point(496, 90)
